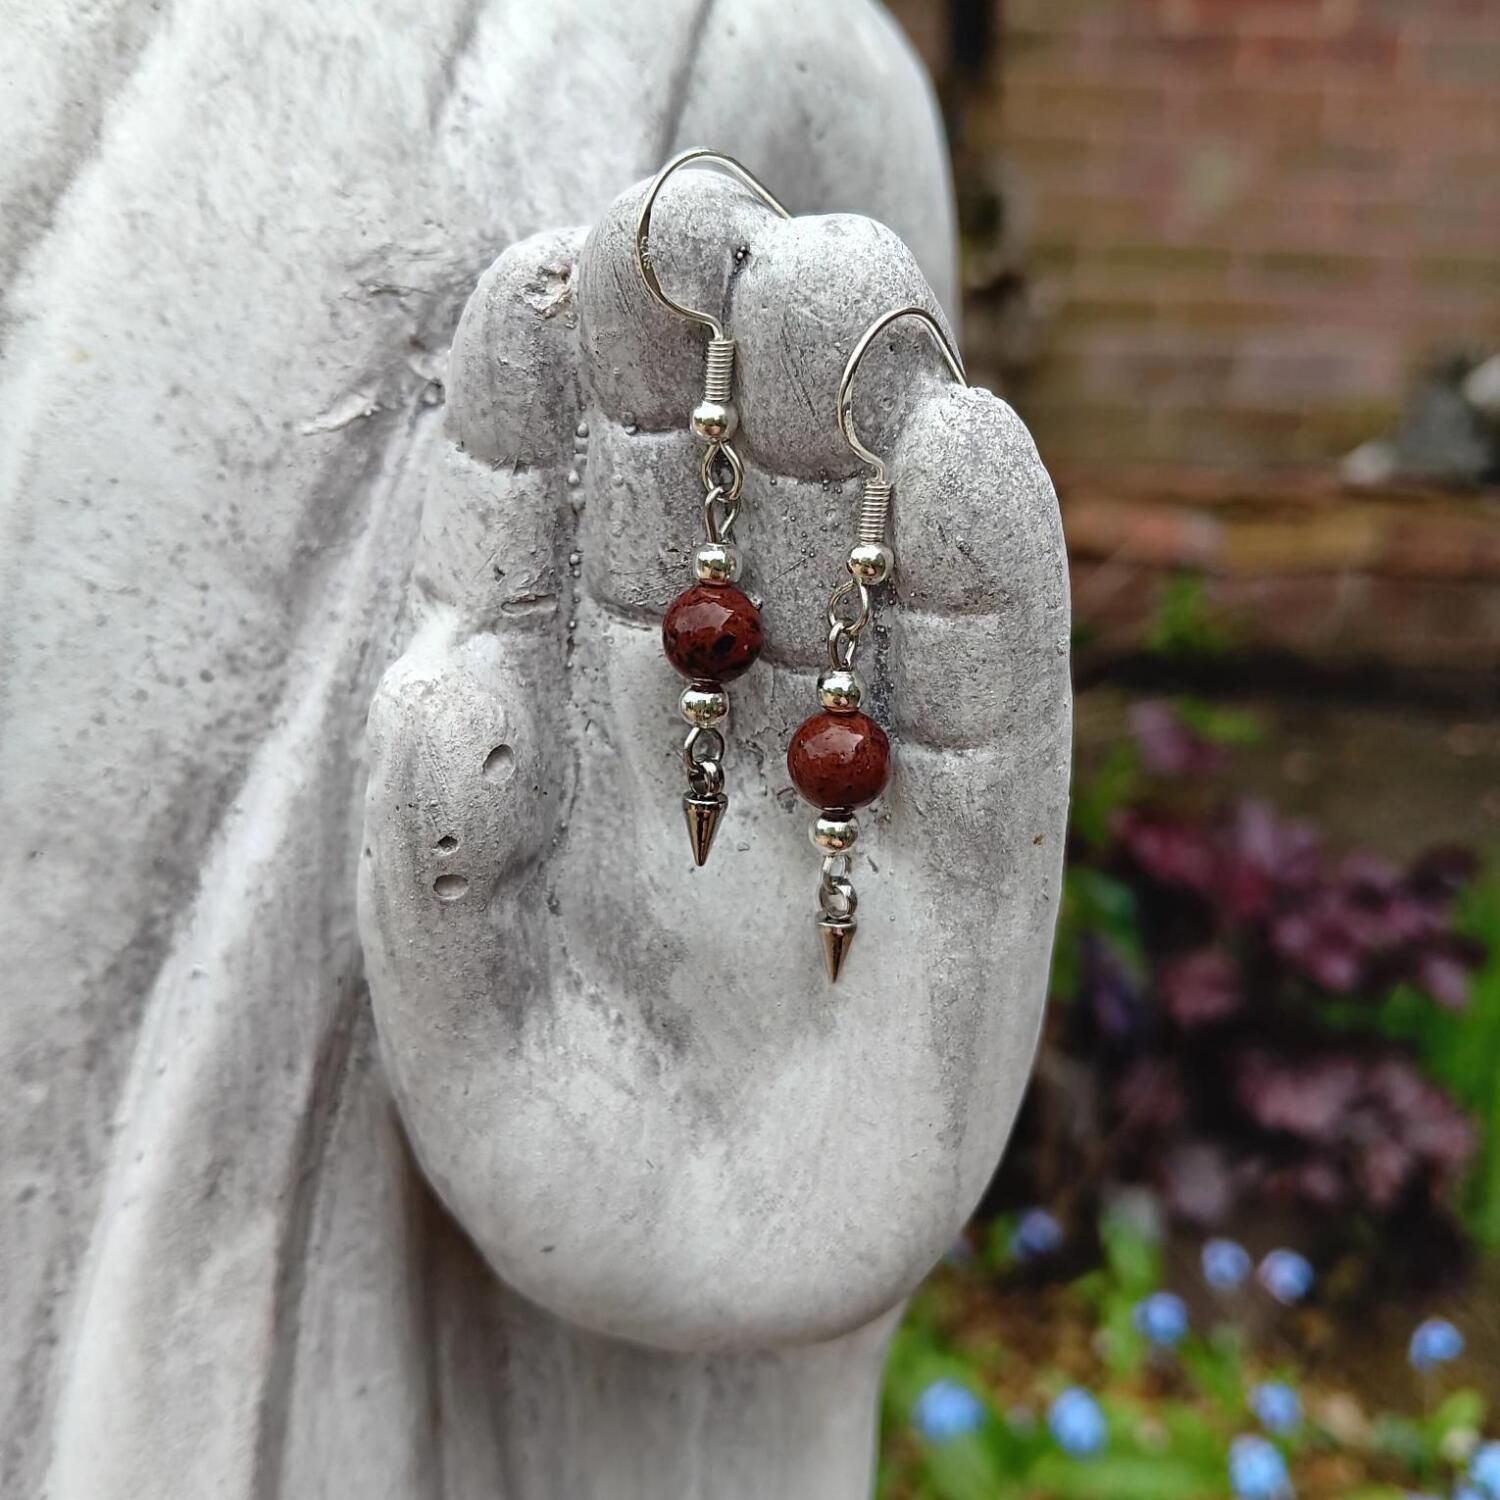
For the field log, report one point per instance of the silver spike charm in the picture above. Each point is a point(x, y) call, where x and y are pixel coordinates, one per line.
point(704, 801)
point(838, 938)
point(703, 815)
point(836, 907)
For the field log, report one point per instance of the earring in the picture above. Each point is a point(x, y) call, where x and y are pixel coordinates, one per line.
point(840, 759)
point(712, 632)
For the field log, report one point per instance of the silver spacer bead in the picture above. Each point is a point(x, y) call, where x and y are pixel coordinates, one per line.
point(871, 562)
point(715, 421)
point(703, 704)
point(716, 562)
point(840, 690)
point(834, 833)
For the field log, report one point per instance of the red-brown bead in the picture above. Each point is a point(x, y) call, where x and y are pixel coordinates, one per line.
point(712, 633)
point(839, 760)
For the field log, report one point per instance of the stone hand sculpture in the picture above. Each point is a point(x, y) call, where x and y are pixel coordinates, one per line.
point(629, 1079)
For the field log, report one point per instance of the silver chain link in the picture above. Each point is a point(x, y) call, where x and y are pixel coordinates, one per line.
point(843, 635)
point(836, 897)
point(719, 514)
point(706, 774)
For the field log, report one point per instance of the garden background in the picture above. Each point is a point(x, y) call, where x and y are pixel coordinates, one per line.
point(1237, 263)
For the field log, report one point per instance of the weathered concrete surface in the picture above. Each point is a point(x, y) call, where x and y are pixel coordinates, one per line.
point(235, 239)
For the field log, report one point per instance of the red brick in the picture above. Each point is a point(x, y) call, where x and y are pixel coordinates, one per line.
point(1342, 161)
point(1224, 312)
point(1313, 267)
point(1083, 432)
point(1204, 52)
point(1050, 15)
point(1227, 436)
point(1163, 261)
point(1419, 115)
point(1472, 60)
point(1454, 625)
point(1274, 367)
point(1269, 110)
point(1290, 58)
point(1449, 544)
point(1280, 18)
point(1091, 217)
point(1169, 536)
point(1460, 273)
point(1072, 107)
point(1050, 158)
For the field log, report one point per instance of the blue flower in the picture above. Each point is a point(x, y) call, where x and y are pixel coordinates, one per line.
point(1038, 1233)
point(1276, 1405)
point(1078, 1423)
point(1466, 1492)
point(1162, 1317)
point(1226, 1264)
point(1287, 1276)
point(1257, 1471)
point(1434, 1343)
point(1484, 1470)
point(947, 1410)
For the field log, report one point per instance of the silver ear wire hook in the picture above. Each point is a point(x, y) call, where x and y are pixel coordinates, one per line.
point(871, 558)
point(715, 418)
point(643, 226)
point(846, 384)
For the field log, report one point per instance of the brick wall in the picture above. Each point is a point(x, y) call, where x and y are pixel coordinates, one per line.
point(1403, 581)
point(1246, 223)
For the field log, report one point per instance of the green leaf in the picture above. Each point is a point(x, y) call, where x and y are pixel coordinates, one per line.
point(1219, 726)
point(964, 1468)
point(1467, 1059)
point(996, 1252)
point(1098, 906)
point(1132, 1258)
point(1460, 1411)
point(1185, 623)
point(1124, 1347)
point(1124, 1476)
point(1215, 1365)
point(1401, 1438)
point(1191, 1435)
point(1096, 800)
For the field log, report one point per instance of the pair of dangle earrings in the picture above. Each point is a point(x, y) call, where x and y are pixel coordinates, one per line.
point(840, 758)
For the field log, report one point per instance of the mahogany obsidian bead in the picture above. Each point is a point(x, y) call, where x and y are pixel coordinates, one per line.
point(712, 633)
point(839, 760)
